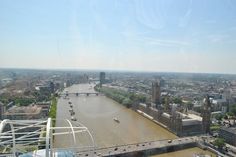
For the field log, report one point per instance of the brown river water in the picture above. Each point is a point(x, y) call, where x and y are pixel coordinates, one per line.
point(97, 113)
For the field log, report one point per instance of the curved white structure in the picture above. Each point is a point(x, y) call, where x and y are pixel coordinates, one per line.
point(19, 136)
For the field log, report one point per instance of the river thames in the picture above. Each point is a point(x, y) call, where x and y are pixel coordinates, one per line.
point(97, 113)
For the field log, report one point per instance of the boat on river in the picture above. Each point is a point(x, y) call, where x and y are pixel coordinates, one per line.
point(116, 120)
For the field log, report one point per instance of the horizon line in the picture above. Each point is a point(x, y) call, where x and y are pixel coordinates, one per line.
point(115, 70)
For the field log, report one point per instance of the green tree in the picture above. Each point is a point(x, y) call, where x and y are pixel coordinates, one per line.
point(127, 102)
point(53, 109)
point(123, 97)
point(233, 111)
point(226, 116)
point(219, 117)
point(177, 100)
point(219, 142)
point(215, 127)
point(24, 101)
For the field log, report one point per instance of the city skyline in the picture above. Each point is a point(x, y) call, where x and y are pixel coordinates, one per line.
point(153, 36)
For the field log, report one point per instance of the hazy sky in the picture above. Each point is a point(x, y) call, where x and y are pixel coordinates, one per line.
point(167, 35)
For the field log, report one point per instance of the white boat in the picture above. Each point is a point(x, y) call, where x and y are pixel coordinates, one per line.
point(72, 113)
point(73, 118)
point(116, 120)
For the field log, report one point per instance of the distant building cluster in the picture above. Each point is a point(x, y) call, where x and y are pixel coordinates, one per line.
point(186, 104)
point(183, 124)
point(23, 113)
point(34, 111)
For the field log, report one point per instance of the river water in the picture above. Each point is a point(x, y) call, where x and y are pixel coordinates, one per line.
point(97, 113)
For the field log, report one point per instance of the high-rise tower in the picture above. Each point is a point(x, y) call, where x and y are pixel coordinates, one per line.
point(156, 92)
point(1, 110)
point(102, 78)
point(206, 115)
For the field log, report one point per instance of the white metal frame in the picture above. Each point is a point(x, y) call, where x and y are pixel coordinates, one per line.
point(17, 138)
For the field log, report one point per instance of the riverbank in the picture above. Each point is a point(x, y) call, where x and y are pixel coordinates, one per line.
point(123, 97)
point(153, 120)
point(53, 110)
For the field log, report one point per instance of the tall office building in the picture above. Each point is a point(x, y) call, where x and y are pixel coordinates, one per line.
point(206, 115)
point(2, 108)
point(102, 78)
point(156, 92)
point(162, 82)
point(52, 87)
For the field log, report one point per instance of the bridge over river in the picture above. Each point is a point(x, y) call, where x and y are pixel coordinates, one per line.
point(143, 148)
point(79, 93)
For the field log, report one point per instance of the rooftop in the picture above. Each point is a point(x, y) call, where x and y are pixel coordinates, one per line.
point(196, 117)
point(24, 110)
point(190, 119)
point(229, 129)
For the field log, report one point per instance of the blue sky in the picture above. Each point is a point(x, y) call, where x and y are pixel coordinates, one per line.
point(167, 35)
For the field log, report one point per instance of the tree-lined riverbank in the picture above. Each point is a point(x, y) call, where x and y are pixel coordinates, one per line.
point(121, 96)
